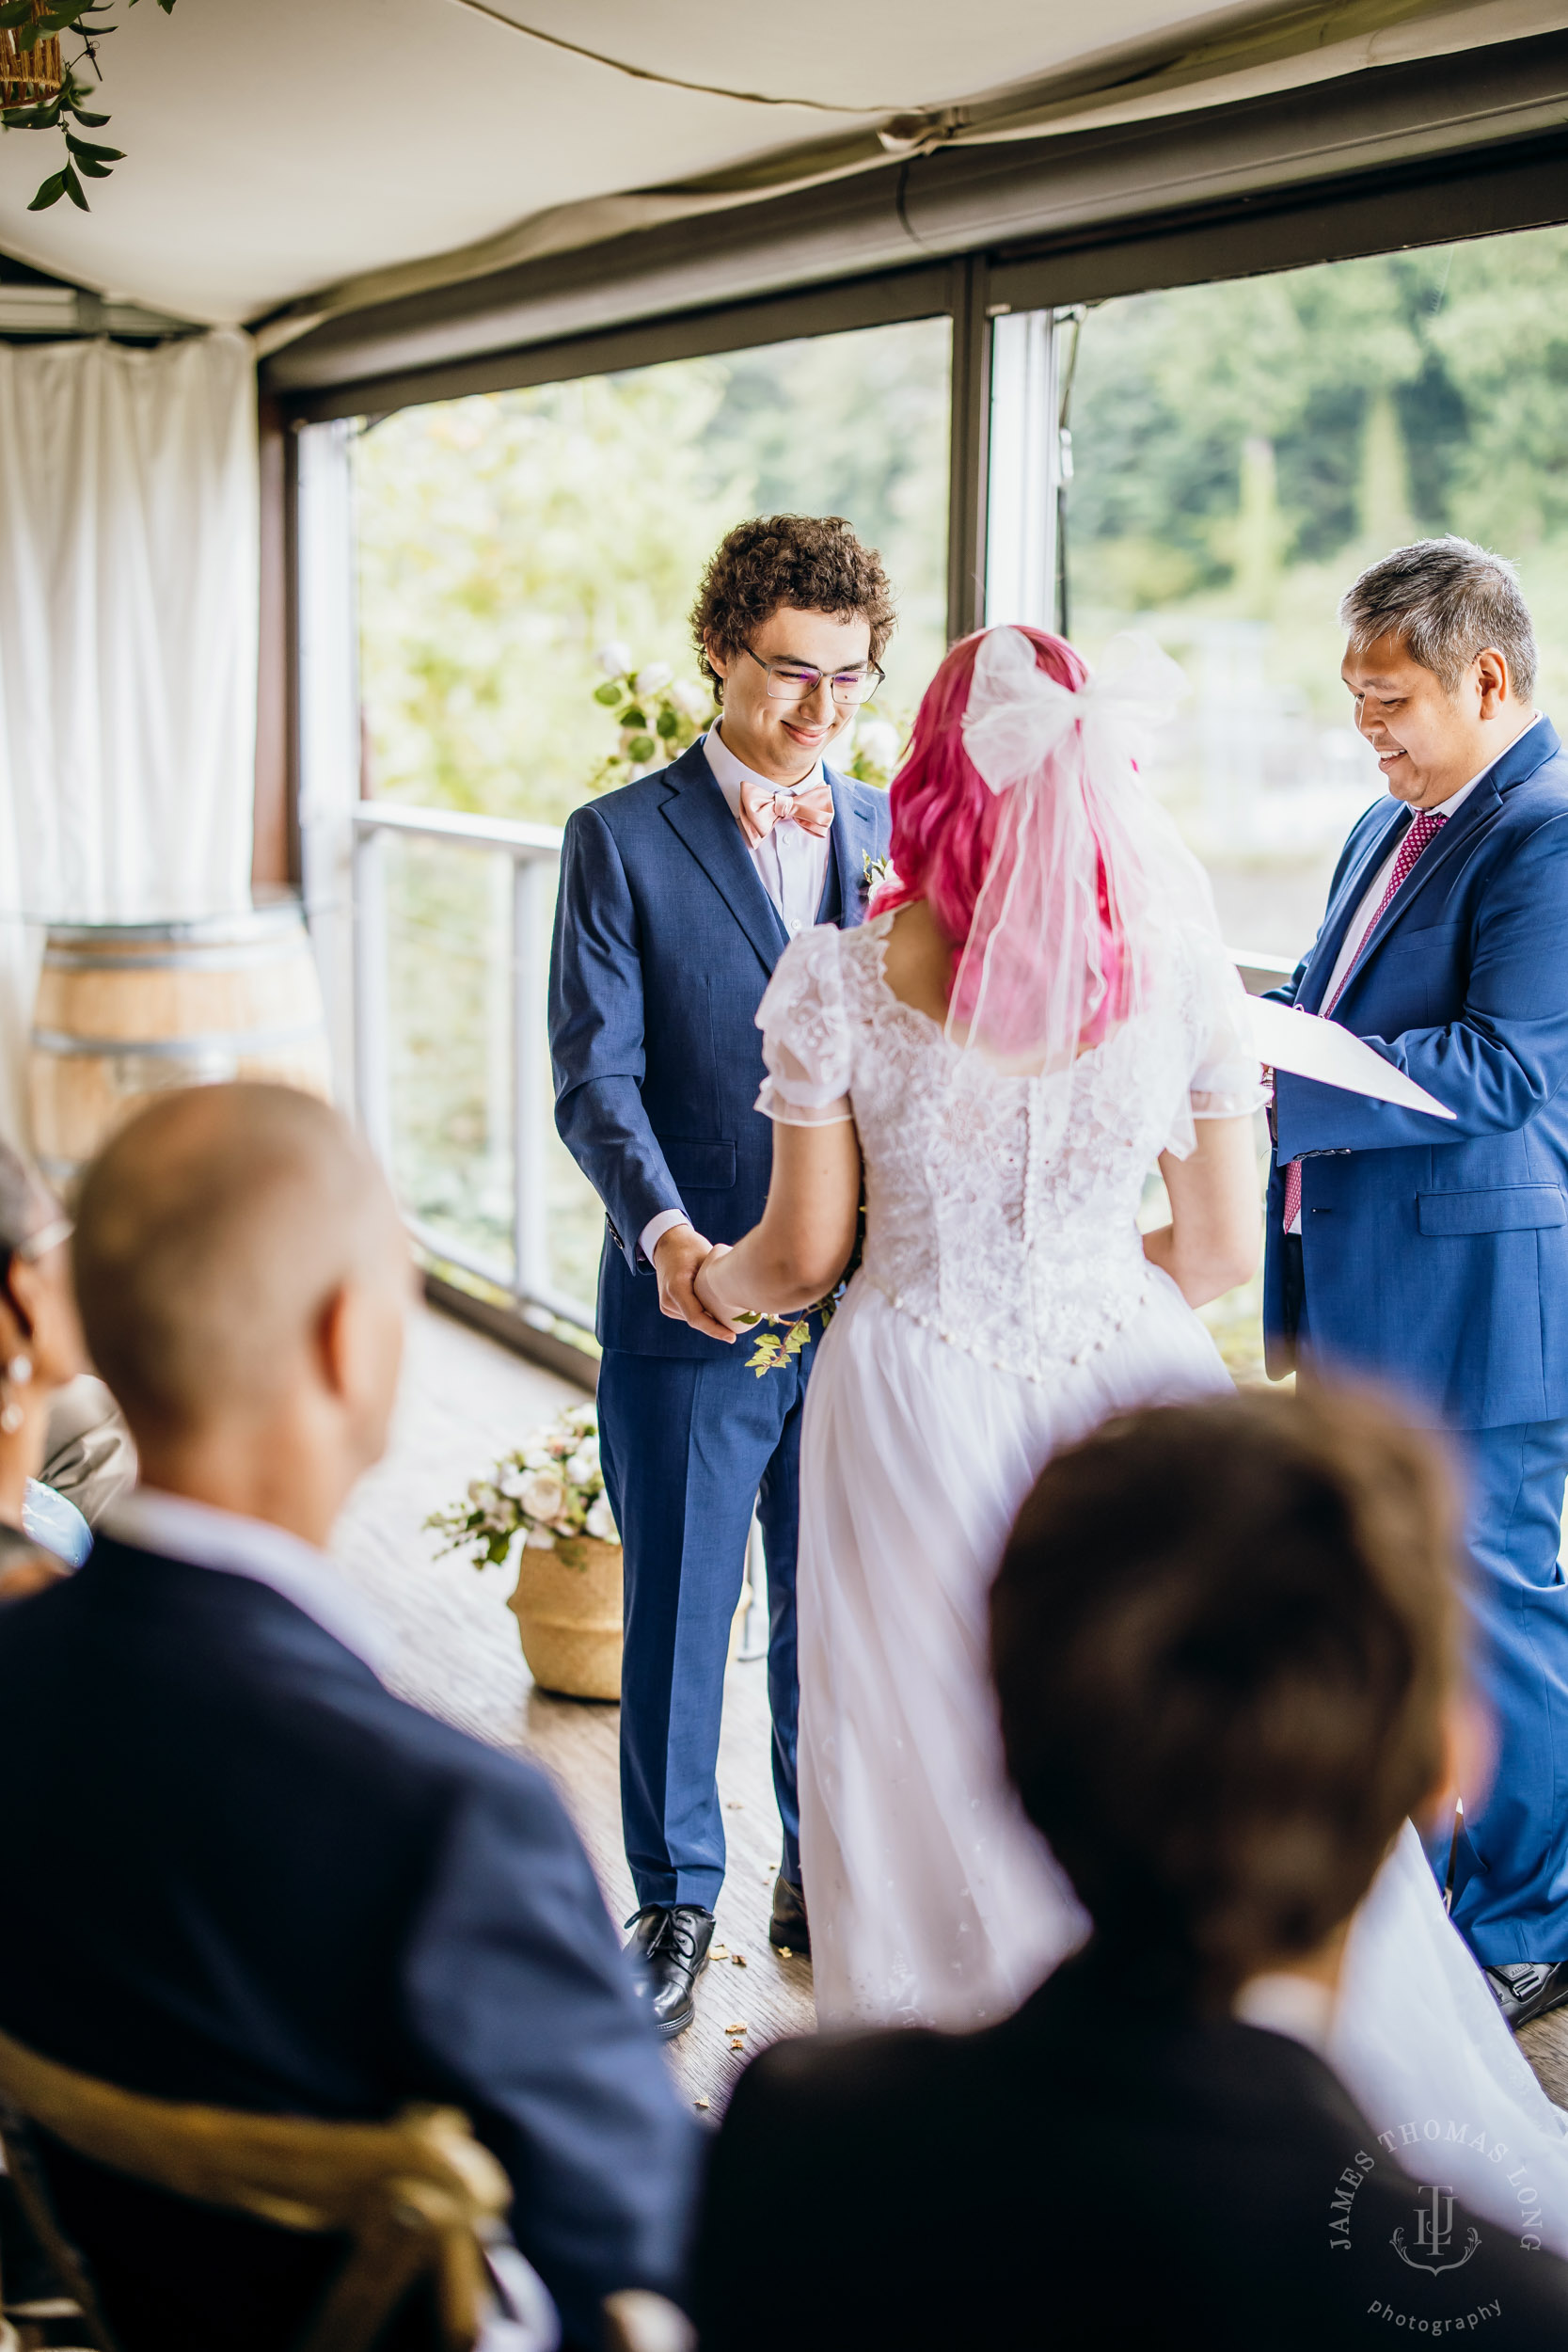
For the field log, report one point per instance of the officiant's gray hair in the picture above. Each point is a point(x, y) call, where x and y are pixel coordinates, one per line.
point(1446, 601)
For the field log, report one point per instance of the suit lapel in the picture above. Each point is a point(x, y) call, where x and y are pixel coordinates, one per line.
point(853, 836)
point(1325, 955)
point(1459, 835)
point(701, 816)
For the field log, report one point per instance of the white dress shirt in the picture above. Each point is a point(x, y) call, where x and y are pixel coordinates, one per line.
point(205, 1537)
point(792, 866)
point(1361, 921)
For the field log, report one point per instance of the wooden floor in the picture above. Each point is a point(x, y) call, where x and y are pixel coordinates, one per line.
point(464, 1400)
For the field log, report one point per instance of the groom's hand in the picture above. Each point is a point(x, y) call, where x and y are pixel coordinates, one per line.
point(677, 1254)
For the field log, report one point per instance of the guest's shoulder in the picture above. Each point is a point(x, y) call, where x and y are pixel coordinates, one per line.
point(842, 2089)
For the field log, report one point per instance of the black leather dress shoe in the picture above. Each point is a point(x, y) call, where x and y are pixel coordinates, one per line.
point(789, 1930)
point(671, 1944)
point(1523, 1988)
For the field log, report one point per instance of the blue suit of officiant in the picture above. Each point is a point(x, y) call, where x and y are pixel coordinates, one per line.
point(1433, 1256)
point(664, 941)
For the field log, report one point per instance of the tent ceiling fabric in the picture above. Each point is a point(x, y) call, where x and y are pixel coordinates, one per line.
point(323, 157)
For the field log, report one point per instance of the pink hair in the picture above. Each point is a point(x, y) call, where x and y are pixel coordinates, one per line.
point(944, 820)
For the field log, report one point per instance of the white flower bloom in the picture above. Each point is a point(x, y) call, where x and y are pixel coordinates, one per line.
point(878, 739)
point(692, 702)
point(651, 676)
point(614, 659)
point(543, 1495)
point(582, 1467)
point(583, 1417)
point(538, 1539)
point(601, 1521)
point(511, 1482)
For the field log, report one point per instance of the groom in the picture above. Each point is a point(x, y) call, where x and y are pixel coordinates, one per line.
point(678, 895)
point(1436, 1255)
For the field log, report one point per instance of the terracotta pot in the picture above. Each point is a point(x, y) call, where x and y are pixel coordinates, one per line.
point(567, 1605)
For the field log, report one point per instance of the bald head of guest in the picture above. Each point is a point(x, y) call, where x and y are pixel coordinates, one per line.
point(243, 1277)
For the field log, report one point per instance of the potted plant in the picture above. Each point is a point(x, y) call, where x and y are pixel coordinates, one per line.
point(550, 1492)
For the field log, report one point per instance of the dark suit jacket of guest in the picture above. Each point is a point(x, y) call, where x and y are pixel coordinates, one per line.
point(665, 939)
point(238, 1871)
point(1084, 2175)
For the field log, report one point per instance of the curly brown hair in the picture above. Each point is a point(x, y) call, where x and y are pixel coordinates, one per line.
point(813, 563)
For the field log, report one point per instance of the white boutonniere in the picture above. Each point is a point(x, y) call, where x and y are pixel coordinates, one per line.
point(876, 871)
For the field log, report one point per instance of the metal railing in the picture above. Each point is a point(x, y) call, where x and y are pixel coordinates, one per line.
point(534, 853)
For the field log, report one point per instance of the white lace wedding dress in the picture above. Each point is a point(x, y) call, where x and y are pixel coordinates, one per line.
point(1002, 1308)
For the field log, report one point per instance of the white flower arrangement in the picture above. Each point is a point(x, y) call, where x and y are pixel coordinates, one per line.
point(548, 1489)
point(659, 715)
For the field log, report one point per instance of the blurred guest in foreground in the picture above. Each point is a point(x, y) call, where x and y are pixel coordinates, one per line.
point(237, 1869)
point(1224, 1642)
point(41, 1534)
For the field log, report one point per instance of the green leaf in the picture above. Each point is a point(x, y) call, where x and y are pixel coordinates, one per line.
point(641, 748)
point(633, 717)
point(84, 150)
point(668, 723)
point(75, 189)
point(94, 122)
point(607, 693)
point(49, 193)
point(16, 12)
point(94, 171)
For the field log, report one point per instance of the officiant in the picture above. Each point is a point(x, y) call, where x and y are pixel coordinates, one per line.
point(678, 895)
point(1434, 1253)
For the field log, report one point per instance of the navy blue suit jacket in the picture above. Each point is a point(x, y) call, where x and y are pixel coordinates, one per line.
point(664, 941)
point(1436, 1253)
point(238, 1871)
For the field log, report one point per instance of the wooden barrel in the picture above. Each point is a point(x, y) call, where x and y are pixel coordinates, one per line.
point(125, 1010)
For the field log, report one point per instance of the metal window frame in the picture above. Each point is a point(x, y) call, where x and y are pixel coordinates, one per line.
point(1486, 190)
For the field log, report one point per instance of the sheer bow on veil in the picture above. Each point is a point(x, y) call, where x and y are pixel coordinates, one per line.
point(1086, 871)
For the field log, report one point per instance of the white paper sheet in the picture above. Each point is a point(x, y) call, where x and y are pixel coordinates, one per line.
point(1311, 1047)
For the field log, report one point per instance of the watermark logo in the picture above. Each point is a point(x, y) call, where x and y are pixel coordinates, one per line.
point(1434, 2235)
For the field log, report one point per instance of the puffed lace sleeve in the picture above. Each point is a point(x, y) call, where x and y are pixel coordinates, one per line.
point(1227, 1080)
point(805, 1034)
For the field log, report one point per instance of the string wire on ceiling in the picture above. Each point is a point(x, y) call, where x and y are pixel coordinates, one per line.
point(665, 81)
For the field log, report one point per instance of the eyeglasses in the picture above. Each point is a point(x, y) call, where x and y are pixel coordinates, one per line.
point(797, 682)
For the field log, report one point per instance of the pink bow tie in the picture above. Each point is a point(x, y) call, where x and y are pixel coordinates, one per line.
point(762, 806)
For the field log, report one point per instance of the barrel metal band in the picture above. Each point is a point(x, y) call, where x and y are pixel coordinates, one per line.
point(245, 1043)
point(270, 952)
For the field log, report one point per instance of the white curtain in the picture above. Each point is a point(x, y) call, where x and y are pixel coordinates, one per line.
point(128, 630)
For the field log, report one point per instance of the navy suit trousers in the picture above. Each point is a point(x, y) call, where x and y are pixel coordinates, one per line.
point(1511, 1883)
point(686, 1448)
point(1511, 1902)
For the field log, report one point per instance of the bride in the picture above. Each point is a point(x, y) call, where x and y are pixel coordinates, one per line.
point(1039, 1008)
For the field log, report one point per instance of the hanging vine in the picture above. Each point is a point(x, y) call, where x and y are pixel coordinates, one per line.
point(42, 91)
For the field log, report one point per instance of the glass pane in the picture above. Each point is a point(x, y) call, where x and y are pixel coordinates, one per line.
point(449, 1021)
point(1240, 451)
point(503, 541)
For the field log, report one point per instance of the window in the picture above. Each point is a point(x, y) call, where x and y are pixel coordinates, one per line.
point(1239, 451)
point(503, 541)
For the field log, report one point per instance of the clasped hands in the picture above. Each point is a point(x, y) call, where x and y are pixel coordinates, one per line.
point(682, 1259)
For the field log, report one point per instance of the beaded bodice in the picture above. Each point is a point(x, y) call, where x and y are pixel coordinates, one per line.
point(1002, 1211)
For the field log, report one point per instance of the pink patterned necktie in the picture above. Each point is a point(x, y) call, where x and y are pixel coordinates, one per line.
point(1428, 823)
